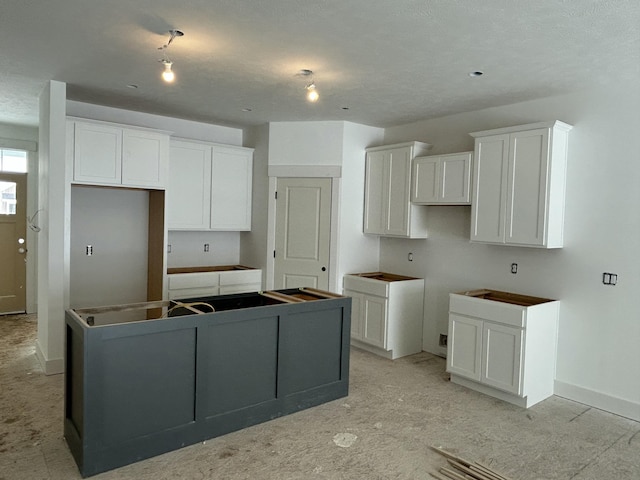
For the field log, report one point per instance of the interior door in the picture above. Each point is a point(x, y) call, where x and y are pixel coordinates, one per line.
point(303, 233)
point(13, 247)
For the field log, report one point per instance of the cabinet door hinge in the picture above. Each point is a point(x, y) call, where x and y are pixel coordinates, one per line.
point(274, 254)
point(276, 195)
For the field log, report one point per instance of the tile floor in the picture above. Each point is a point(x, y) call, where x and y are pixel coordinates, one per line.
point(395, 411)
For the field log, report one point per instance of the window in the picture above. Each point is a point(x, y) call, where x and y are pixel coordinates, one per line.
point(13, 161)
point(7, 198)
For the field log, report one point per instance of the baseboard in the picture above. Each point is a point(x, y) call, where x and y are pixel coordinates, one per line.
point(602, 401)
point(52, 366)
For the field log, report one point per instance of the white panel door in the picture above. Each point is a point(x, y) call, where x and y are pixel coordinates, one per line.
point(97, 155)
point(303, 222)
point(527, 187)
point(189, 186)
point(489, 189)
point(144, 158)
point(464, 346)
point(373, 196)
point(231, 188)
point(502, 357)
point(397, 192)
point(13, 247)
point(375, 321)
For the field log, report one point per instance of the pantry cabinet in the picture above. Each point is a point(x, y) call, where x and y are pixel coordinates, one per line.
point(387, 311)
point(209, 187)
point(442, 179)
point(388, 210)
point(519, 179)
point(116, 155)
point(503, 344)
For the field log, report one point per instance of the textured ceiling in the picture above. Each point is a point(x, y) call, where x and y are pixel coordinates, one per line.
point(388, 61)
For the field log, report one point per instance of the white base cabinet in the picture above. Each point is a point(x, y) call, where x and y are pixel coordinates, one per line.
point(519, 185)
point(209, 187)
point(117, 155)
point(387, 313)
point(188, 283)
point(503, 344)
point(388, 210)
point(442, 179)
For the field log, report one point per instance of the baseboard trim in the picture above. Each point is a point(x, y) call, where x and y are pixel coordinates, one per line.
point(602, 401)
point(52, 366)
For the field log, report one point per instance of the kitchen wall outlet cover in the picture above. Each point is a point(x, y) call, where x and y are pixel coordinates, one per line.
point(514, 268)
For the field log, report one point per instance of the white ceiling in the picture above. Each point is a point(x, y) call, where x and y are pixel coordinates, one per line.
point(388, 61)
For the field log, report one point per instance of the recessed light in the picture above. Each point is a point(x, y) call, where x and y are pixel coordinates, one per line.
point(304, 72)
point(246, 109)
point(477, 73)
point(345, 108)
point(132, 85)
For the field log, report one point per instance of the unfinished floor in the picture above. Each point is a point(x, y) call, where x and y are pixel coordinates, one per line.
point(383, 430)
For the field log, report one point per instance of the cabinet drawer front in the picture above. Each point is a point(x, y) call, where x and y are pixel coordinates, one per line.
point(498, 312)
point(366, 285)
point(236, 277)
point(193, 280)
point(193, 292)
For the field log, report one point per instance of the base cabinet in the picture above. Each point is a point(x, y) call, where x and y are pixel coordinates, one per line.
point(188, 283)
point(386, 316)
point(503, 349)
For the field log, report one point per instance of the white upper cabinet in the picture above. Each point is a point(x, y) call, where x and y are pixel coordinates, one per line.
point(209, 187)
point(442, 179)
point(111, 154)
point(388, 209)
point(519, 185)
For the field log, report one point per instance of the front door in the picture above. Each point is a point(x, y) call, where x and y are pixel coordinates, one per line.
point(303, 232)
point(13, 247)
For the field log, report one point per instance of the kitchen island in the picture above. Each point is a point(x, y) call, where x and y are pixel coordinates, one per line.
point(186, 371)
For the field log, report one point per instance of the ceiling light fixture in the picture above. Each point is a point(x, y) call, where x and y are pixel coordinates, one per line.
point(312, 92)
point(477, 73)
point(167, 74)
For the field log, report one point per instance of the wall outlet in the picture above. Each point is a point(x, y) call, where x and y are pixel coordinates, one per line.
point(443, 340)
point(610, 278)
point(514, 268)
point(206, 247)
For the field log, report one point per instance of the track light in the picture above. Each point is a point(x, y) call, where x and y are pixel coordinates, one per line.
point(312, 93)
point(167, 74)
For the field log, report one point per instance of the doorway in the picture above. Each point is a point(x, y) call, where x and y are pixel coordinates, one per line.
point(13, 238)
point(302, 233)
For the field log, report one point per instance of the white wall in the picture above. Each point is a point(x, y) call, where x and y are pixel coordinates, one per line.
point(187, 248)
point(26, 138)
point(598, 356)
point(305, 143)
point(358, 252)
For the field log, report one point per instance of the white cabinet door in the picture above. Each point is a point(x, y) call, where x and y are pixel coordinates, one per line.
point(455, 171)
point(375, 321)
point(526, 187)
point(426, 180)
point(97, 153)
point(357, 321)
point(374, 205)
point(397, 192)
point(231, 188)
point(489, 189)
point(144, 158)
point(189, 186)
point(502, 357)
point(464, 346)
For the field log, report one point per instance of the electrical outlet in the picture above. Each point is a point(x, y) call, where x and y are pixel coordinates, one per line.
point(89, 250)
point(514, 268)
point(168, 248)
point(206, 247)
point(410, 257)
point(610, 278)
point(443, 340)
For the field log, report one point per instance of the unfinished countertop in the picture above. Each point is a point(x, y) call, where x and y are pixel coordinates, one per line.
point(211, 268)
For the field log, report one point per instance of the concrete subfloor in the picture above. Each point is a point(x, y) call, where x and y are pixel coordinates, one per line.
point(394, 412)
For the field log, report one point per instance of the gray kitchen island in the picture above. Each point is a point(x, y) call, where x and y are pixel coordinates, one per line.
point(149, 378)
